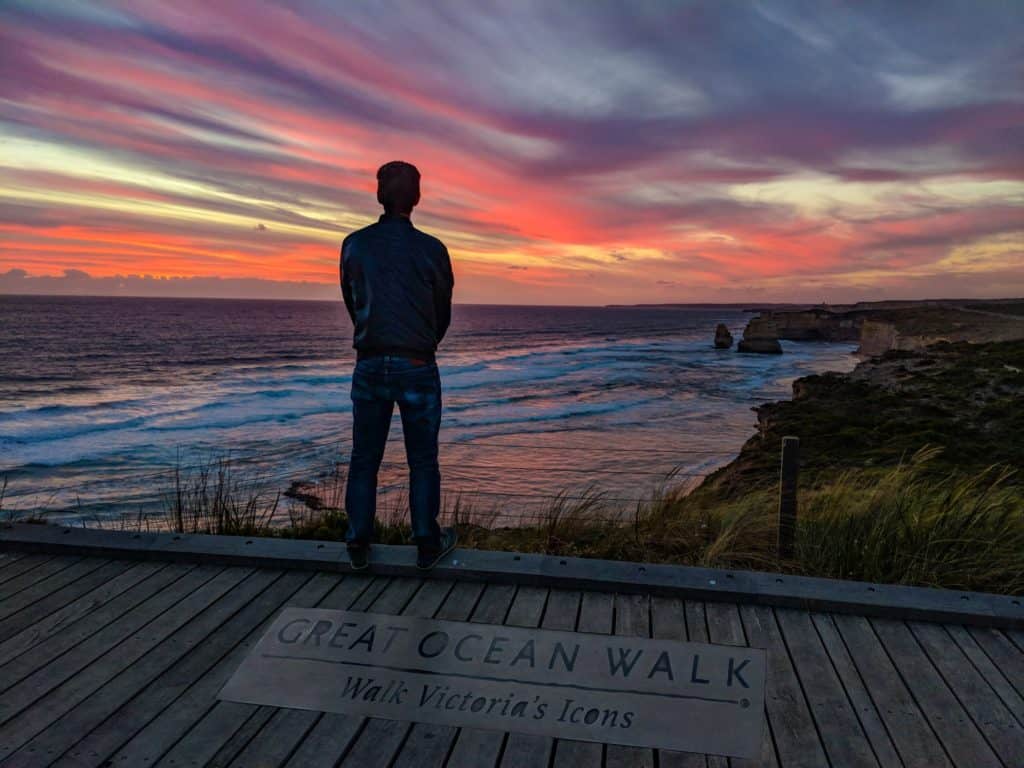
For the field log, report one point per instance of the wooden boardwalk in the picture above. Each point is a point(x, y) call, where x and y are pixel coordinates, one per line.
point(117, 662)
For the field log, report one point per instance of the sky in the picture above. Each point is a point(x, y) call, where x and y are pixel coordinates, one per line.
point(584, 152)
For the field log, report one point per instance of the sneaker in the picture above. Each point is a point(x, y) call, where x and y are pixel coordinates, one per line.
point(428, 558)
point(359, 557)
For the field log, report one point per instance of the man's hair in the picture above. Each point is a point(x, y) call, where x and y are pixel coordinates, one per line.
point(398, 186)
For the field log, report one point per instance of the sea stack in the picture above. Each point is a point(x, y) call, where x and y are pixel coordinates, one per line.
point(723, 339)
point(760, 336)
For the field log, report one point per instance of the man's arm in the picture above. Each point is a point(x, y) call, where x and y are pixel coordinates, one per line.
point(346, 285)
point(443, 294)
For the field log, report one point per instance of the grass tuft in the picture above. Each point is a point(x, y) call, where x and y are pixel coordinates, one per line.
point(903, 527)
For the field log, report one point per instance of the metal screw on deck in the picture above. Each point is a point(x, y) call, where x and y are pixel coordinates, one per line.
point(788, 476)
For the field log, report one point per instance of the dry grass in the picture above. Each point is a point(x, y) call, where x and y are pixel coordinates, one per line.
point(216, 498)
point(897, 525)
point(966, 532)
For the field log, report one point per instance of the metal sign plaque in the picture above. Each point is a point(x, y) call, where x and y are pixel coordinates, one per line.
point(619, 690)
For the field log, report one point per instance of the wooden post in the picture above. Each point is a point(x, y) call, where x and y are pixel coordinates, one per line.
point(788, 476)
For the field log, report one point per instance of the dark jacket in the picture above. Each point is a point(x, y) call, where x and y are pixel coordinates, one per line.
point(397, 285)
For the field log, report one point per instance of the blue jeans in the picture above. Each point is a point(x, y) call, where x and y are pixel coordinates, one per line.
point(377, 384)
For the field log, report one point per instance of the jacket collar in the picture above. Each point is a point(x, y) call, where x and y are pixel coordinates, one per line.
point(395, 217)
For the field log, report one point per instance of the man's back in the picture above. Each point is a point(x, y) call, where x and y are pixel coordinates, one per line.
point(397, 284)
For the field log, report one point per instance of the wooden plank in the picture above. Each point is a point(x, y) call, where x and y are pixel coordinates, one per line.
point(369, 595)
point(138, 712)
point(993, 675)
point(428, 744)
point(194, 687)
point(555, 610)
point(528, 607)
point(98, 631)
point(431, 596)
point(725, 627)
point(668, 618)
point(30, 578)
point(494, 604)
point(211, 725)
point(275, 741)
point(425, 745)
point(62, 691)
point(1004, 654)
point(10, 556)
point(45, 587)
point(996, 723)
point(562, 610)
point(1017, 637)
point(882, 746)
point(838, 728)
point(274, 744)
point(525, 750)
point(964, 744)
point(668, 622)
point(785, 591)
point(910, 731)
point(88, 605)
point(377, 744)
point(696, 621)
point(475, 748)
point(23, 565)
point(32, 615)
point(596, 614)
point(462, 601)
point(330, 736)
point(96, 707)
point(236, 742)
point(632, 619)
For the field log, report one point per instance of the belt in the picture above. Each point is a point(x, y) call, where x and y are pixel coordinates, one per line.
point(415, 354)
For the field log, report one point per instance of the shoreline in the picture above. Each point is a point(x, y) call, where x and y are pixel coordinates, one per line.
point(868, 481)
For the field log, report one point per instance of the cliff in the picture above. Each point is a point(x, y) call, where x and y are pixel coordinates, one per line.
point(959, 397)
point(919, 328)
point(900, 325)
point(816, 324)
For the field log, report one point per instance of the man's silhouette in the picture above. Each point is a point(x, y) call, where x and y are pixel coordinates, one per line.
point(397, 284)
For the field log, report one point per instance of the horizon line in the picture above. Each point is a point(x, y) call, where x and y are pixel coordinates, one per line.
point(639, 305)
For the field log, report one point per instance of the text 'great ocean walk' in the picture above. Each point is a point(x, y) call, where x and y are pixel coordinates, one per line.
point(653, 693)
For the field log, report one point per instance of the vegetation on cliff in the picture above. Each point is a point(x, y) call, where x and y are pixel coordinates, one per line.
point(963, 399)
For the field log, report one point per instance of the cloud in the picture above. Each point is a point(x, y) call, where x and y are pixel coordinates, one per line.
point(696, 143)
point(75, 282)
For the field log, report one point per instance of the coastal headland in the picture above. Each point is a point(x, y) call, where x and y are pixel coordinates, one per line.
point(910, 463)
point(942, 374)
point(900, 325)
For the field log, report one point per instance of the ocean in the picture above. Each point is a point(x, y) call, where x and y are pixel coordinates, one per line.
point(101, 397)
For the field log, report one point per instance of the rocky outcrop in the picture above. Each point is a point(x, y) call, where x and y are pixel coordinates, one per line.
point(816, 324)
point(911, 330)
point(877, 337)
point(723, 339)
point(904, 326)
point(761, 336)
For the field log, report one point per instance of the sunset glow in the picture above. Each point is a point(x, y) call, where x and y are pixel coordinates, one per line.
point(572, 153)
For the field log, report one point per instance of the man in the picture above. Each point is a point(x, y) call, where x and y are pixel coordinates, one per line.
point(397, 285)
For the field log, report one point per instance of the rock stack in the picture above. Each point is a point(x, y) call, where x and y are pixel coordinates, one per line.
point(760, 336)
point(723, 339)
